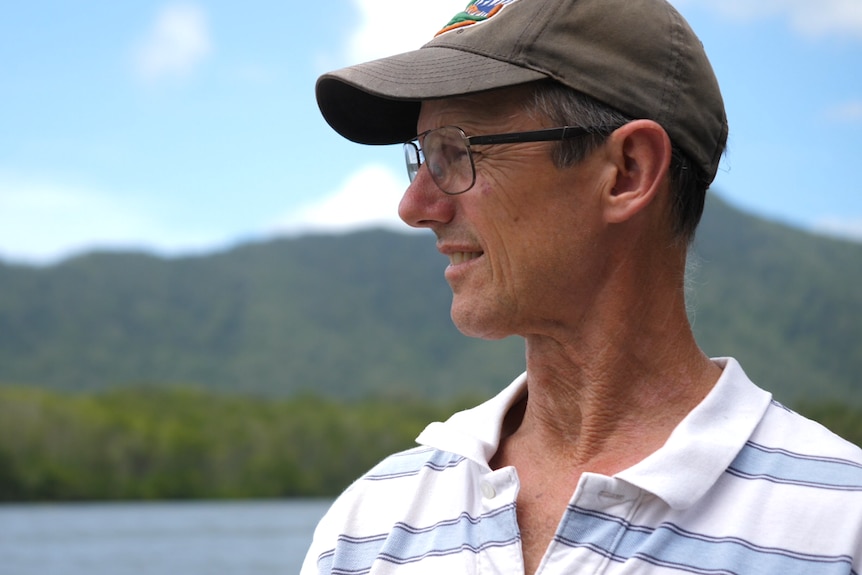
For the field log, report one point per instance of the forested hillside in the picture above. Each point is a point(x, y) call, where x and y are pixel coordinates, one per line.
point(786, 303)
point(367, 314)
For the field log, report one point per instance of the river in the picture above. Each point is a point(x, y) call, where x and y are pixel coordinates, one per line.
point(164, 538)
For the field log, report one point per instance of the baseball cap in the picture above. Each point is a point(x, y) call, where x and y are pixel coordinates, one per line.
point(638, 56)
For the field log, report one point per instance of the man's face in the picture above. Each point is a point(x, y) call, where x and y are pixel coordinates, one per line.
point(522, 242)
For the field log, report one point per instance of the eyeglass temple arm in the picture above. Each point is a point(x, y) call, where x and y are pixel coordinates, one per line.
point(547, 135)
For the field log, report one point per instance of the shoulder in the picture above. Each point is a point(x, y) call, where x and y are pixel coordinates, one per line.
point(776, 433)
point(782, 430)
point(398, 490)
point(410, 463)
point(392, 484)
point(807, 471)
point(803, 484)
point(789, 449)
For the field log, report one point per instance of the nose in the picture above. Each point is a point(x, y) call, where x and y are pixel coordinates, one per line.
point(424, 205)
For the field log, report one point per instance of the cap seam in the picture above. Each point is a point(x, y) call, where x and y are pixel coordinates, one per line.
point(672, 76)
point(522, 61)
point(538, 24)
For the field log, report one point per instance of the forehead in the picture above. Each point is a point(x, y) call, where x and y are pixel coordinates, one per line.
point(496, 107)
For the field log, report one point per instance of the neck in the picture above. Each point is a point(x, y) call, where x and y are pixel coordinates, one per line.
point(607, 394)
point(612, 411)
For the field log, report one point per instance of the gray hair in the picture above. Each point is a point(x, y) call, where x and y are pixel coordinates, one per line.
point(564, 106)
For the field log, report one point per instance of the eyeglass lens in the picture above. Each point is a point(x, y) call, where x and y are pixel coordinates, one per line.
point(447, 155)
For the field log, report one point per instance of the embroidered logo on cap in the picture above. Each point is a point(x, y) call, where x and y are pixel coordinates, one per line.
point(476, 12)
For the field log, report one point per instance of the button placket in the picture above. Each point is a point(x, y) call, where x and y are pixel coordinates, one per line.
point(589, 525)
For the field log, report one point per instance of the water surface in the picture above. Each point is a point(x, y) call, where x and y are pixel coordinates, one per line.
point(188, 538)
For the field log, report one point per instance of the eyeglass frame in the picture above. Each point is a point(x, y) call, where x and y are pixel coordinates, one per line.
point(544, 135)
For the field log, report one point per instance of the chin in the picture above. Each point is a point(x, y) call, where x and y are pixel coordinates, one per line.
point(483, 324)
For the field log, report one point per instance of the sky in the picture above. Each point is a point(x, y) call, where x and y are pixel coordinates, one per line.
point(182, 128)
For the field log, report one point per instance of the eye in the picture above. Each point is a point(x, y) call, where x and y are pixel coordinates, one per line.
point(441, 154)
point(448, 159)
point(453, 153)
point(437, 166)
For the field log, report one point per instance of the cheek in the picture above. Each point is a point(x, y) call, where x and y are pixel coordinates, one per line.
point(554, 247)
point(518, 235)
point(500, 210)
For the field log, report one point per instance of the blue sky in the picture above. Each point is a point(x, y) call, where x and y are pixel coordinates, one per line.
point(186, 127)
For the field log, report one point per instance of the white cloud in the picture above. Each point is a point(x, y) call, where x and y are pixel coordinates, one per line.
point(368, 198)
point(846, 113)
point(177, 43)
point(809, 17)
point(844, 228)
point(43, 222)
point(384, 30)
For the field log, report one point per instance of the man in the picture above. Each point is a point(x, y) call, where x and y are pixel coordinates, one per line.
point(564, 149)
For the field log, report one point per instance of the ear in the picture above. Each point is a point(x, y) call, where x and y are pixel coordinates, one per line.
point(641, 153)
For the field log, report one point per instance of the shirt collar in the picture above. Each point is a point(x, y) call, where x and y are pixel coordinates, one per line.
point(475, 433)
point(705, 442)
point(680, 472)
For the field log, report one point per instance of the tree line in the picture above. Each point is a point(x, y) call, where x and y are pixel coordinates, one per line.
point(184, 442)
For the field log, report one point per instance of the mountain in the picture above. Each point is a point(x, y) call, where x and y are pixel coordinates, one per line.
point(787, 304)
point(368, 314)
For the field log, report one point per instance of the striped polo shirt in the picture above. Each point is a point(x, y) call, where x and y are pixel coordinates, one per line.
point(742, 486)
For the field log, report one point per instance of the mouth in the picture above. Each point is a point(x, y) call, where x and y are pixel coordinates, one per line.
point(458, 258)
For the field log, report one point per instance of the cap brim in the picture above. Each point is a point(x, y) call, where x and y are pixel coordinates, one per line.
point(378, 102)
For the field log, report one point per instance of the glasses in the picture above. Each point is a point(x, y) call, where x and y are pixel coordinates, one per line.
point(447, 153)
